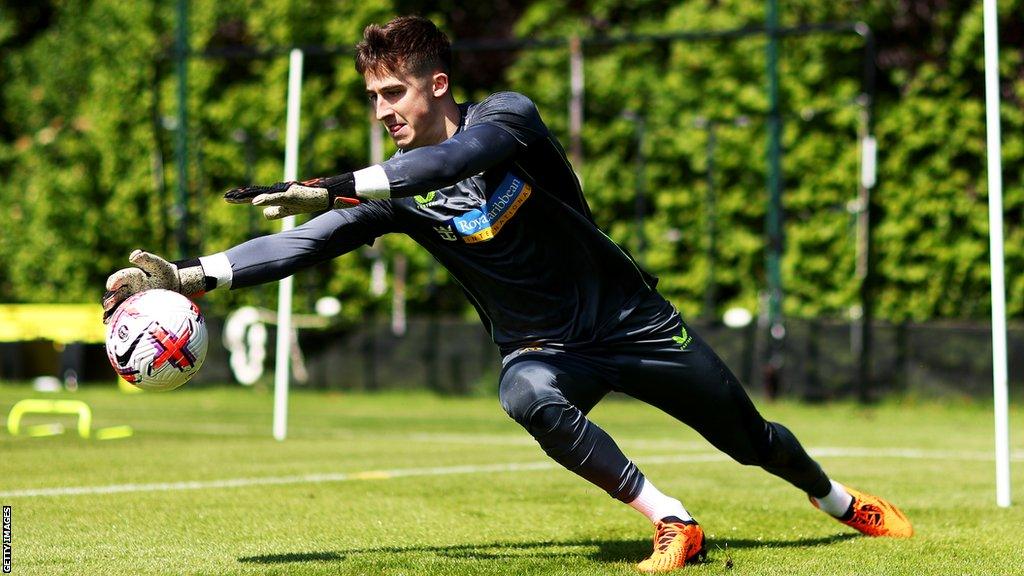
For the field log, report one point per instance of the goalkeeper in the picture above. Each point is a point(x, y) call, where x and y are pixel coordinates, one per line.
point(487, 190)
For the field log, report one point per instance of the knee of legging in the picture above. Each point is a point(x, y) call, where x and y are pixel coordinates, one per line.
point(763, 447)
point(776, 446)
point(525, 389)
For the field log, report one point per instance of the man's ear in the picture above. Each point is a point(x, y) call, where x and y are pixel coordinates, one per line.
point(439, 84)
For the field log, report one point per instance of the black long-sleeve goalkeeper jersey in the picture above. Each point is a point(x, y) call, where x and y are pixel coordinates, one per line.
point(500, 207)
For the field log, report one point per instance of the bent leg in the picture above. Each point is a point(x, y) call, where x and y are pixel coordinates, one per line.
point(696, 387)
point(549, 395)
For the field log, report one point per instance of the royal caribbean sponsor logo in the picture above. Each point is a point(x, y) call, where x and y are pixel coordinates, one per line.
point(485, 222)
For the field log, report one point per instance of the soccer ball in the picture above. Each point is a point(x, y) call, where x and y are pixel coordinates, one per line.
point(157, 340)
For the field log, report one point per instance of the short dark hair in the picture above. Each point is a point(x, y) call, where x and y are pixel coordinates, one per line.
point(410, 44)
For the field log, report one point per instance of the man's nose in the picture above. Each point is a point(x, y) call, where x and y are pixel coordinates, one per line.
point(383, 108)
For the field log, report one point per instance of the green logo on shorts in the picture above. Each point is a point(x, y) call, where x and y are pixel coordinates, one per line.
point(683, 339)
point(423, 200)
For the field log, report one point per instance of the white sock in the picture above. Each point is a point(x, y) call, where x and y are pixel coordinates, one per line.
point(837, 502)
point(655, 505)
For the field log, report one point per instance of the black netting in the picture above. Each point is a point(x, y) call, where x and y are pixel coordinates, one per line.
point(818, 360)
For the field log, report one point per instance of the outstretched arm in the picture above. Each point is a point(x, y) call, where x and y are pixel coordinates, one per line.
point(420, 170)
point(270, 258)
point(257, 261)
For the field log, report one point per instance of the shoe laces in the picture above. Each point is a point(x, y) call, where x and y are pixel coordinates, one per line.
point(868, 513)
point(665, 534)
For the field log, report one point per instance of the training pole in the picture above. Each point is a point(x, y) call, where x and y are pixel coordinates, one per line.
point(995, 235)
point(284, 293)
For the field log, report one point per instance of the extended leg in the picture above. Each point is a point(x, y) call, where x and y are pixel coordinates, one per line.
point(690, 382)
point(694, 385)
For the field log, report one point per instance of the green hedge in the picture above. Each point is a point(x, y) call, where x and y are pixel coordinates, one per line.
point(88, 102)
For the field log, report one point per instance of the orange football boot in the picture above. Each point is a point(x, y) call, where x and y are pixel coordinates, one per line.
point(675, 542)
point(874, 516)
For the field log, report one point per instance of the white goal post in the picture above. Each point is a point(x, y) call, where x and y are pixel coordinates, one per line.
point(284, 293)
point(995, 220)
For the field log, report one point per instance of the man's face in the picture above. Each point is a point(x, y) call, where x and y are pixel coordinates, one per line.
point(409, 106)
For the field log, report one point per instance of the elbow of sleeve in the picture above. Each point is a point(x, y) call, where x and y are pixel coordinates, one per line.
point(445, 166)
point(429, 172)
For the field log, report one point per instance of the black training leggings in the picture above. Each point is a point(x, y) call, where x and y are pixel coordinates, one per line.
point(655, 358)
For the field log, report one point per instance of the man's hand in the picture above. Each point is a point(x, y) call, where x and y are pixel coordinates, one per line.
point(288, 198)
point(150, 271)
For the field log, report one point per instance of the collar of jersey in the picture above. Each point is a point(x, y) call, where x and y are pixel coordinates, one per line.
point(463, 112)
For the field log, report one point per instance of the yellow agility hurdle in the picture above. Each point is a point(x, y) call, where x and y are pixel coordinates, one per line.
point(75, 407)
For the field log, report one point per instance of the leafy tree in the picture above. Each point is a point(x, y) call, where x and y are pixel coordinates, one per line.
point(87, 134)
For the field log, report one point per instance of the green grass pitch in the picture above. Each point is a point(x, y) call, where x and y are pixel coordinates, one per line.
point(414, 484)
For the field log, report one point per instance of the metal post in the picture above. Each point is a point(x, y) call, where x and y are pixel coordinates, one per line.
point(640, 194)
point(243, 137)
point(711, 215)
point(159, 163)
point(398, 319)
point(640, 202)
point(576, 102)
point(710, 126)
point(776, 328)
point(861, 343)
point(868, 179)
point(180, 215)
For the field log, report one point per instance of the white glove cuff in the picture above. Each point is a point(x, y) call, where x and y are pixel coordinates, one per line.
point(372, 182)
point(218, 266)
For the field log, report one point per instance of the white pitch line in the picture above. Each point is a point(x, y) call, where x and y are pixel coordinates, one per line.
point(422, 437)
point(274, 480)
point(328, 477)
point(526, 440)
point(905, 453)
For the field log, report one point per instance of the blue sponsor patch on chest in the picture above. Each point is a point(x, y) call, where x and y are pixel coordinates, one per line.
point(485, 222)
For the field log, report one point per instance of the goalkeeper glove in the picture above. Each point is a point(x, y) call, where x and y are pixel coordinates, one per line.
point(288, 198)
point(151, 271)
